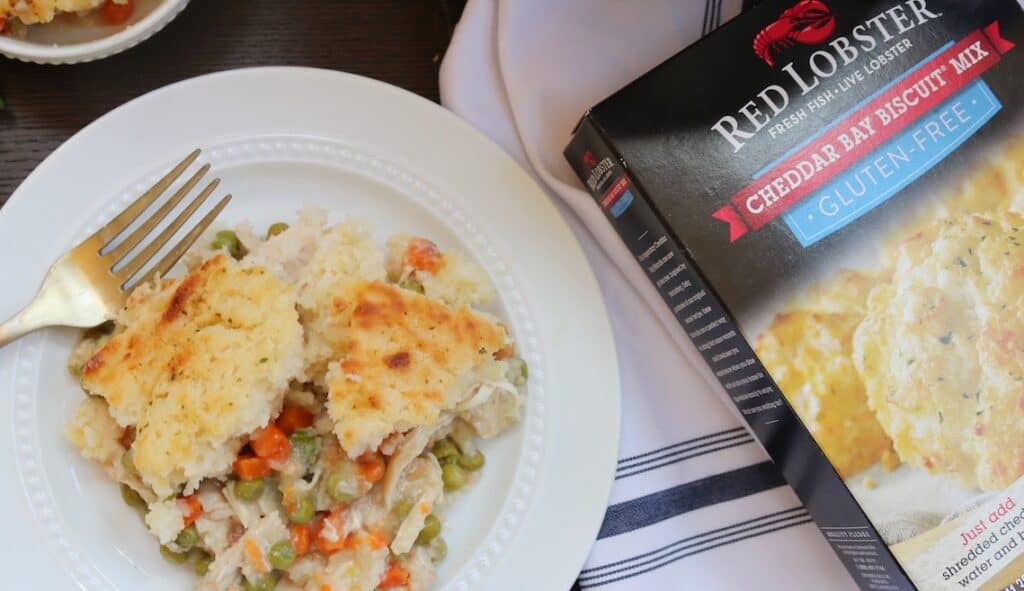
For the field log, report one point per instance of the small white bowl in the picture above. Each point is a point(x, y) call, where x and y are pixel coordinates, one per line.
point(70, 39)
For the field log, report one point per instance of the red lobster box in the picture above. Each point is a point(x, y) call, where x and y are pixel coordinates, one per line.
point(829, 197)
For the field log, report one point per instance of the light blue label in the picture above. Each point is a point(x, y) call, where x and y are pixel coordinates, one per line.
point(892, 166)
point(621, 204)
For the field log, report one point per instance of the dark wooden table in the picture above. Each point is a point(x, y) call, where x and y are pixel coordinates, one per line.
point(397, 41)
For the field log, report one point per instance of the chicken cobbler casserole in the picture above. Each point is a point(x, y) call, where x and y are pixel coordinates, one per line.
point(298, 411)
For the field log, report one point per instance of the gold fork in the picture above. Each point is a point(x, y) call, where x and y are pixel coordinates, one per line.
point(86, 287)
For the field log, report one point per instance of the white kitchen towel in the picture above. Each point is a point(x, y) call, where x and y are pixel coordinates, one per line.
point(696, 504)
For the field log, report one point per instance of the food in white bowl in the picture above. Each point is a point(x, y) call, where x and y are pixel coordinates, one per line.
point(72, 31)
point(14, 13)
point(298, 411)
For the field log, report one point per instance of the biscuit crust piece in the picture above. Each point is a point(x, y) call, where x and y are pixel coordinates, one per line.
point(202, 361)
point(408, 359)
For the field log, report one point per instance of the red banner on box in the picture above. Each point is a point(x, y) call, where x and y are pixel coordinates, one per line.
point(861, 132)
point(615, 191)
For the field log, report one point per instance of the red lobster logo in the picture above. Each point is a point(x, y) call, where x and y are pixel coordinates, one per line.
point(808, 22)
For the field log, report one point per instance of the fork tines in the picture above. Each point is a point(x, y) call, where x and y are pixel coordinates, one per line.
point(105, 236)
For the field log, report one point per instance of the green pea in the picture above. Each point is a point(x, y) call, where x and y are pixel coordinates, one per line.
point(338, 486)
point(472, 462)
point(305, 445)
point(128, 462)
point(445, 450)
point(249, 490)
point(202, 565)
point(520, 371)
point(438, 549)
point(402, 508)
point(187, 538)
point(228, 240)
point(412, 284)
point(431, 529)
point(453, 477)
point(276, 229)
point(281, 555)
point(260, 583)
point(171, 555)
point(302, 511)
point(131, 497)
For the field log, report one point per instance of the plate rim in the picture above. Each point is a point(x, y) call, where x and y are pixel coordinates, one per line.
point(541, 199)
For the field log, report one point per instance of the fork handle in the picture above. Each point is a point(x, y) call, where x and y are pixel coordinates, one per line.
point(59, 302)
point(72, 294)
point(22, 323)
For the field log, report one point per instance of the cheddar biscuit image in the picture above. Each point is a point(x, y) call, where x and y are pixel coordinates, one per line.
point(993, 185)
point(940, 350)
point(996, 184)
point(808, 350)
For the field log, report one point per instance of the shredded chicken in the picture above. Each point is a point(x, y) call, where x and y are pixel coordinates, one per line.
point(423, 484)
point(224, 570)
point(410, 445)
point(421, 569)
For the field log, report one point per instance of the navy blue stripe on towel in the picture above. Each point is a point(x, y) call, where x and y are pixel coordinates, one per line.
point(659, 506)
point(683, 447)
point(707, 17)
point(686, 443)
point(684, 454)
point(740, 527)
point(696, 545)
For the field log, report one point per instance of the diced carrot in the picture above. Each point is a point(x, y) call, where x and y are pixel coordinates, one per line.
point(423, 255)
point(325, 587)
point(378, 540)
point(353, 540)
point(270, 443)
point(117, 13)
point(254, 555)
point(294, 417)
point(371, 466)
point(191, 508)
point(251, 468)
point(395, 576)
point(328, 547)
point(504, 353)
point(373, 472)
point(301, 539)
point(335, 522)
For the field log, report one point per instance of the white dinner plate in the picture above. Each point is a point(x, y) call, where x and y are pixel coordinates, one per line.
point(280, 138)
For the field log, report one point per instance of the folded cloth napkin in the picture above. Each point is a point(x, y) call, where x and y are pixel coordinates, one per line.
point(696, 504)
